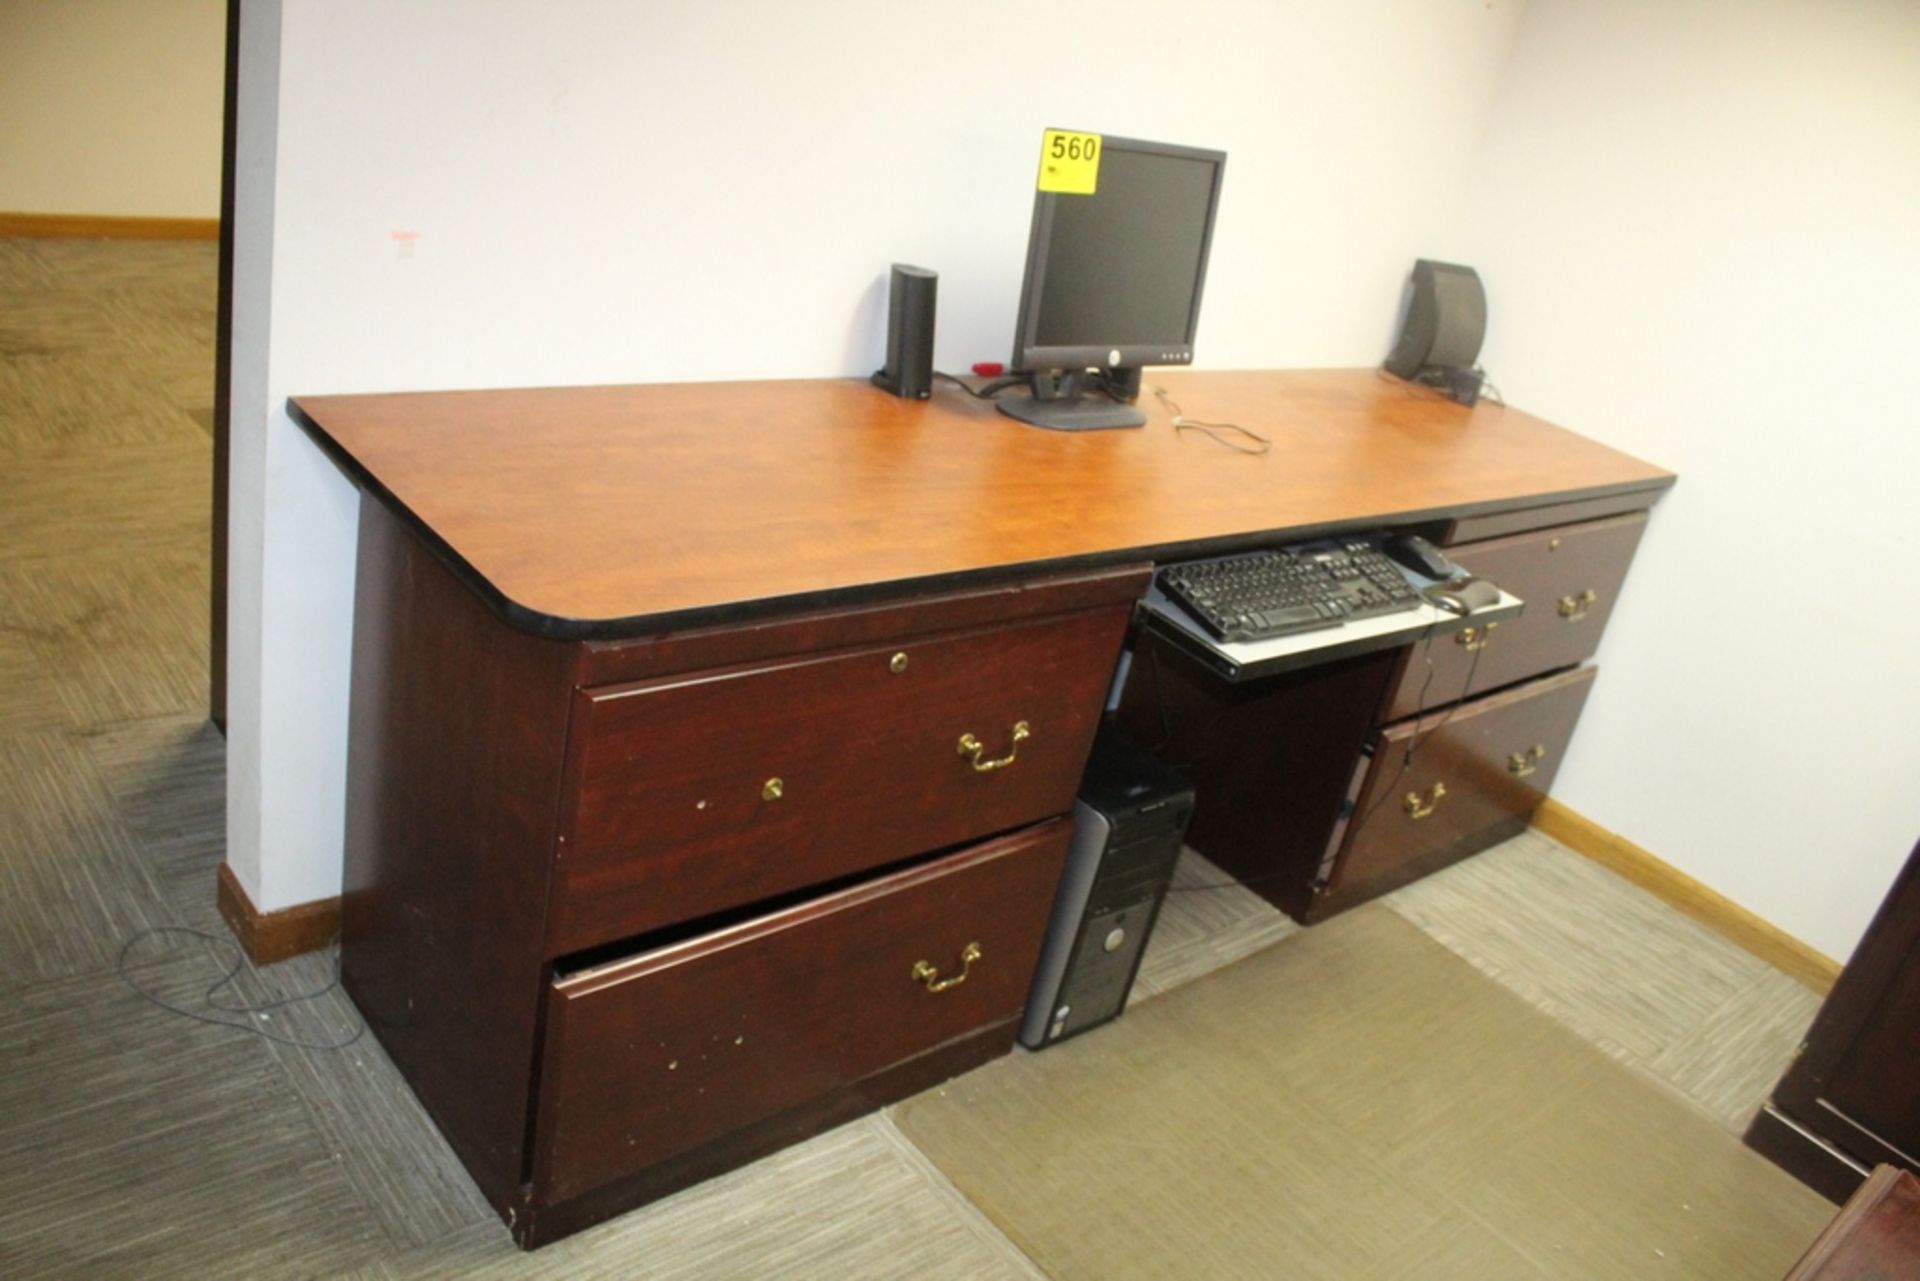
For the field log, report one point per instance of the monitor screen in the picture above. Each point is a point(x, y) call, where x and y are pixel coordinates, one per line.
point(1120, 270)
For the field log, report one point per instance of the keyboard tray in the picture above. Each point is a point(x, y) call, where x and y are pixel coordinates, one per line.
point(1249, 660)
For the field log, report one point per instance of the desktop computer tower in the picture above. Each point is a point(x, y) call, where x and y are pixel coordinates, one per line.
point(1128, 823)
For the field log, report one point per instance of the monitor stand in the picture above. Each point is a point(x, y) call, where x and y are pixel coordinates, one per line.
point(1059, 402)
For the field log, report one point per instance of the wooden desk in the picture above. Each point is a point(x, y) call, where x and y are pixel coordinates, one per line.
point(665, 844)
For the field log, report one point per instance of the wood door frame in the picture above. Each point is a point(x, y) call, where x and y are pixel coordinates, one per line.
point(223, 387)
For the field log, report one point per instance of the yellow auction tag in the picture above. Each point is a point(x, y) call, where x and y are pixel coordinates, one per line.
point(1069, 162)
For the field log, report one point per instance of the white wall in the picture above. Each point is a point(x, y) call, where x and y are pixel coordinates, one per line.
point(256, 136)
point(111, 106)
point(485, 194)
point(1699, 226)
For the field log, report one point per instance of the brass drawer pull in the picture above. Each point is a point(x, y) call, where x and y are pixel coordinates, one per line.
point(1574, 608)
point(924, 971)
point(1474, 639)
point(1521, 764)
point(1418, 808)
point(971, 746)
point(772, 790)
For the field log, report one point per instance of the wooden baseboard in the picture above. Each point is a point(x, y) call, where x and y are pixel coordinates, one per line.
point(1678, 890)
point(104, 226)
point(267, 937)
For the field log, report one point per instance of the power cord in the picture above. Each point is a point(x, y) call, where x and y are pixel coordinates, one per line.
point(986, 391)
point(246, 1012)
point(1254, 443)
point(1415, 738)
point(1484, 387)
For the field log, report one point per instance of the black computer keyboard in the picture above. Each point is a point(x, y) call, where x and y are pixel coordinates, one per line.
point(1297, 589)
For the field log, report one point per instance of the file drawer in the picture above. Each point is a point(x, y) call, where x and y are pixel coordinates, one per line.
point(653, 1055)
point(1477, 774)
point(1569, 577)
point(698, 793)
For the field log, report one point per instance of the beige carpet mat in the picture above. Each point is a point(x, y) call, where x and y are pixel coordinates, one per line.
point(1355, 1102)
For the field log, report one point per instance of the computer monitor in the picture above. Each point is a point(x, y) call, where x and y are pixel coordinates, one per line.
point(1113, 283)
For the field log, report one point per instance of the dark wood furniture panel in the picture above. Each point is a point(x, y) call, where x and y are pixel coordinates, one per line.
point(472, 748)
point(712, 789)
point(1473, 778)
point(1875, 1237)
point(1569, 576)
point(649, 1056)
point(1270, 760)
point(818, 631)
point(1851, 1100)
point(537, 1225)
point(457, 732)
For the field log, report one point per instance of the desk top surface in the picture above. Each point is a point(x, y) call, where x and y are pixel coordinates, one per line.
point(610, 511)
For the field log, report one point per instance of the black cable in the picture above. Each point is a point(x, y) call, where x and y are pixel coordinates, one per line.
point(1259, 444)
point(987, 391)
point(1415, 737)
point(233, 972)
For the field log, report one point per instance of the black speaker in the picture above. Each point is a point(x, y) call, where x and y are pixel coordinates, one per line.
point(910, 299)
point(1445, 322)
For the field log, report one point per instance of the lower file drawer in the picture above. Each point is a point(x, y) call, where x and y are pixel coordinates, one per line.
point(652, 1055)
point(1476, 775)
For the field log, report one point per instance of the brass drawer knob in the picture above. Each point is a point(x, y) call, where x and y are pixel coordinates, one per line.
point(1418, 807)
point(898, 663)
point(971, 746)
point(773, 790)
point(926, 972)
point(1574, 608)
point(1521, 764)
point(1474, 639)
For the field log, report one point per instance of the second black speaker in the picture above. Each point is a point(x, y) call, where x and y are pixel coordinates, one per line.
point(910, 301)
point(1445, 321)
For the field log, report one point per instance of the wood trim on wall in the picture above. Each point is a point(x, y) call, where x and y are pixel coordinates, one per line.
point(109, 227)
point(267, 937)
point(1681, 892)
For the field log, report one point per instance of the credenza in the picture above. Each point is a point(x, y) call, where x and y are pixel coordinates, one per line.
point(1849, 1102)
point(712, 746)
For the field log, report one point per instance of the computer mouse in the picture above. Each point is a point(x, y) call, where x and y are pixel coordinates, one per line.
point(1465, 595)
point(1421, 556)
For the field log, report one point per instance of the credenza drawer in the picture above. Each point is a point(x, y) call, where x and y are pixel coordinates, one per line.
point(696, 794)
point(652, 1055)
point(1569, 577)
point(1477, 771)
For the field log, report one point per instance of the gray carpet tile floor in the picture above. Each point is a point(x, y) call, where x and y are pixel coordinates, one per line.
point(1654, 988)
point(138, 1143)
